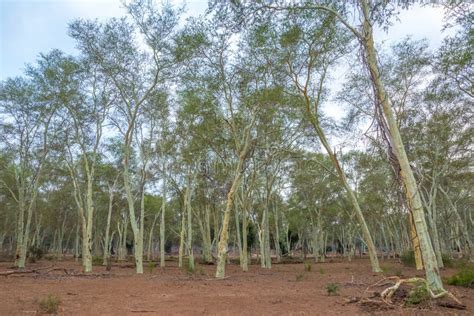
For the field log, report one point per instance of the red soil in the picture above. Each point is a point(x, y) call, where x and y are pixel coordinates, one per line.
point(285, 289)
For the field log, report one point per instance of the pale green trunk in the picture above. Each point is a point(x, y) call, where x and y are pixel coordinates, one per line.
point(190, 226)
point(245, 255)
point(162, 223)
point(414, 201)
point(107, 229)
point(277, 234)
point(181, 236)
point(266, 238)
point(149, 254)
point(224, 236)
point(207, 236)
point(237, 230)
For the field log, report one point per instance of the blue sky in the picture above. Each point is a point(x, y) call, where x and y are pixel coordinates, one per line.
point(29, 27)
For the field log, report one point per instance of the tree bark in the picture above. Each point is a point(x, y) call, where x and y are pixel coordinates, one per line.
point(414, 201)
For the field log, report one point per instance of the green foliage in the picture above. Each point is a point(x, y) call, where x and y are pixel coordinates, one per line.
point(291, 36)
point(97, 261)
point(35, 253)
point(50, 304)
point(321, 271)
point(391, 270)
point(188, 44)
point(151, 266)
point(408, 258)
point(464, 278)
point(447, 261)
point(332, 288)
point(418, 294)
point(198, 269)
point(307, 266)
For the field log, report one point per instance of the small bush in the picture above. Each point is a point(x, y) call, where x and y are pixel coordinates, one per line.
point(50, 304)
point(408, 258)
point(332, 288)
point(307, 266)
point(321, 271)
point(151, 266)
point(418, 294)
point(35, 253)
point(198, 269)
point(97, 261)
point(464, 278)
point(447, 261)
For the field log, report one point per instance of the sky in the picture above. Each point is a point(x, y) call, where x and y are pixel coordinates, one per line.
point(30, 27)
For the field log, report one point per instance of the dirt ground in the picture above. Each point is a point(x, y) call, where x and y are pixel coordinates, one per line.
point(286, 289)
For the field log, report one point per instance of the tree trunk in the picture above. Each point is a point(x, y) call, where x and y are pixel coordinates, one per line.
point(149, 255)
point(237, 231)
point(107, 228)
point(414, 201)
point(190, 224)
point(277, 234)
point(224, 236)
point(182, 235)
point(162, 229)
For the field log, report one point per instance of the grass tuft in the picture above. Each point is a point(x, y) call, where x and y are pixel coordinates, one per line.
point(332, 289)
point(50, 304)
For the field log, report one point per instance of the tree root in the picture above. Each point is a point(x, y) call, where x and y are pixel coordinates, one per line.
point(387, 294)
point(47, 270)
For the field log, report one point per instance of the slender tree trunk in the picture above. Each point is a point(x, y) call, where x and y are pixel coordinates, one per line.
point(162, 224)
point(149, 255)
point(277, 234)
point(222, 246)
point(266, 238)
point(182, 235)
point(107, 228)
point(414, 201)
point(207, 236)
point(190, 224)
point(352, 198)
point(245, 254)
point(237, 231)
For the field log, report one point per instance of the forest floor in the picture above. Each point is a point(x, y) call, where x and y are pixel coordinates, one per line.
point(285, 289)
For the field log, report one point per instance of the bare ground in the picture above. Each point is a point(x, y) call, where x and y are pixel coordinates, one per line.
point(286, 289)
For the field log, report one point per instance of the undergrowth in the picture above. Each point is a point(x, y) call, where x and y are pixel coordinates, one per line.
point(50, 304)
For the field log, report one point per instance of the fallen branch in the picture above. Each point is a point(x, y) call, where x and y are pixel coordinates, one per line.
point(452, 305)
point(218, 279)
point(10, 272)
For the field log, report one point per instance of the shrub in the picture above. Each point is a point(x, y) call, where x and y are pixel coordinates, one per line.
point(418, 294)
point(35, 253)
point(332, 288)
point(151, 266)
point(447, 261)
point(307, 266)
point(198, 269)
point(408, 258)
point(97, 261)
point(50, 304)
point(321, 271)
point(464, 278)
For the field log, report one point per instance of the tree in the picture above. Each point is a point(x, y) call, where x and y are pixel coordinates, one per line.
point(27, 106)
